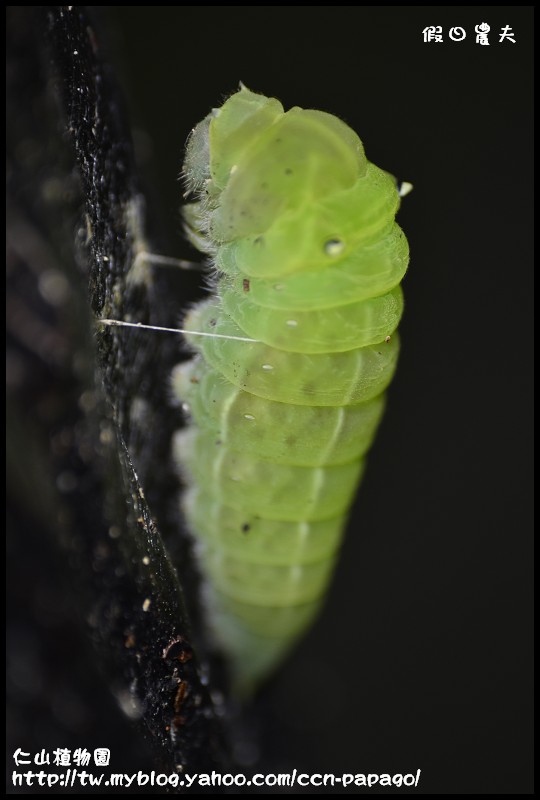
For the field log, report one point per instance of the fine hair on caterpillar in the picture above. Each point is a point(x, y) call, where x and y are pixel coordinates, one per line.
point(294, 350)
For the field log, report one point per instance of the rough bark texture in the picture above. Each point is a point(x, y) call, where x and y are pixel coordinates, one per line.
point(89, 422)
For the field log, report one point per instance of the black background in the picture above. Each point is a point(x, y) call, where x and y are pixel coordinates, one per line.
point(422, 655)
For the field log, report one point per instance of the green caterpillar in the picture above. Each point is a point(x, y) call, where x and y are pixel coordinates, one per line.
point(301, 232)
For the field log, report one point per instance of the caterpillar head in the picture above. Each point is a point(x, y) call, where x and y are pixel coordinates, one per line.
point(250, 162)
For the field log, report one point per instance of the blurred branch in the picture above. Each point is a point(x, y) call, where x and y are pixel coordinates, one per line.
point(89, 422)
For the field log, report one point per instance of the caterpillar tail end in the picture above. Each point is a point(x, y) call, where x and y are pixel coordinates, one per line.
point(252, 658)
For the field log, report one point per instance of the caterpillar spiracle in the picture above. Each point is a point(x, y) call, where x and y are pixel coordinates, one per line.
point(308, 260)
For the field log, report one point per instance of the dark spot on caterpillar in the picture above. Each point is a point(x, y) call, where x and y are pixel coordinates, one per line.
point(212, 323)
point(288, 171)
point(194, 379)
point(245, 284)
point(277, 141)
point(259, 240)
point(388, 339)
point(178, 650)
point(246, 527)
point(290, 440)
point(218, 441)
